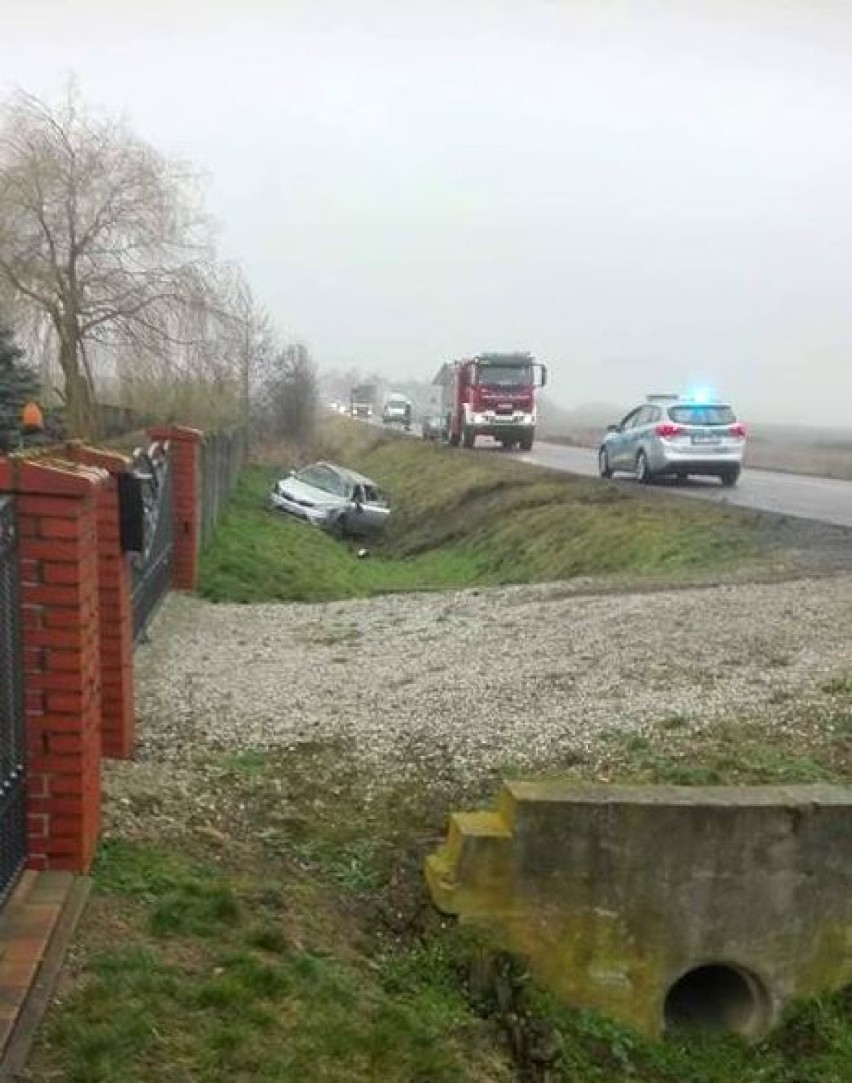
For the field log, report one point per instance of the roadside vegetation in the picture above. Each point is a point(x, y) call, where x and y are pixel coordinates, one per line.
point(460, 520)
point(293, 940)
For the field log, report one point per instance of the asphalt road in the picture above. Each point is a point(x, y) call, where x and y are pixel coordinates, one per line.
point(821, 499)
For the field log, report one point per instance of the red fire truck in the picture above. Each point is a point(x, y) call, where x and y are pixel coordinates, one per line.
point(492, 394)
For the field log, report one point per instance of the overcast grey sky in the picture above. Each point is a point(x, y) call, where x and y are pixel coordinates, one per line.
point(645, 194)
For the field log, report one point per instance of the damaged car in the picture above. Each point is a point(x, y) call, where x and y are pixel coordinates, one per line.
point(333, 498)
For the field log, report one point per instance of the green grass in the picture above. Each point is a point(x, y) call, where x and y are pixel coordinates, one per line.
point(813, 1045)
point(731, 755)
point(838, 686)
point(463, 519)
point(219, 992)
point(171, 1002)
point(303, 946)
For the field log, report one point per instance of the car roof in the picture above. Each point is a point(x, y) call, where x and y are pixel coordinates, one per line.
point(350, 475)
point(659, 400)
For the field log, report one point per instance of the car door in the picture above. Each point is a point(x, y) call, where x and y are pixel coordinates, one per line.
point(619, 442)
point(374, 512)
point(635, 434)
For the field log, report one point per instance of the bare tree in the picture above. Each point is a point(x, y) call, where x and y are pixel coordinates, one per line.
point(99, 234)
point(288, 399)
point(207, 373)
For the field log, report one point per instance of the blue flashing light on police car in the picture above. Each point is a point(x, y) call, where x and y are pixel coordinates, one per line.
point(701, 396)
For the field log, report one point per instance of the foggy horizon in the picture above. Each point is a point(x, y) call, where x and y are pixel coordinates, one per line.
point(647, 202)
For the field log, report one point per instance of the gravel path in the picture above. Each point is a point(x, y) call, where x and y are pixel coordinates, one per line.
point(485, 678)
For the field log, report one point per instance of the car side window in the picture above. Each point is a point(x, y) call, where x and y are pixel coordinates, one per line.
point(654, 414)
point(629, 421)
point(644, 416)
point(358, 495)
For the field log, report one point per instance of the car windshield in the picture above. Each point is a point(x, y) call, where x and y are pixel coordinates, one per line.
point(702, 415)
point(504, 375)
point(324, 478)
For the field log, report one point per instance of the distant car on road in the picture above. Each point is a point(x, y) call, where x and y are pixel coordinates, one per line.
point(670, 435)
point(434, 427)
point(333, 498)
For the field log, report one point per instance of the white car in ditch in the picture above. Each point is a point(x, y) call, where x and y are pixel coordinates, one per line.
point(333, 498)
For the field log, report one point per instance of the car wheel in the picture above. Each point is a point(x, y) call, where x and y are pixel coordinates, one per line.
point(643, 471)
point(604, 469)
point(730, 477)
point(468, 437)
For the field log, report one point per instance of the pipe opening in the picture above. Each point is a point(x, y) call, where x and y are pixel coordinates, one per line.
point(716, 997)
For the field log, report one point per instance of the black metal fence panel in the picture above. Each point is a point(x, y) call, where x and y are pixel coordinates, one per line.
point(13, 824)
point(151, 567)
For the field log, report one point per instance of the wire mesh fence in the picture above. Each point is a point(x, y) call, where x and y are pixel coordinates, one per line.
point(222, 457)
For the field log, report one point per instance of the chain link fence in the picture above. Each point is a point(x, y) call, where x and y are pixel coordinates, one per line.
point(223, 455)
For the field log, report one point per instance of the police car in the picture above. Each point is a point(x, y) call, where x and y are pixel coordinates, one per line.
point(675, 436)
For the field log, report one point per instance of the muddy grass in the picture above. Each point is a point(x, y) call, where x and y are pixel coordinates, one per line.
point(277, 928)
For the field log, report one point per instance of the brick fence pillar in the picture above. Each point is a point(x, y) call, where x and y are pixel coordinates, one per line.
point(185, 467)
point(115, 599)
point(57, 515)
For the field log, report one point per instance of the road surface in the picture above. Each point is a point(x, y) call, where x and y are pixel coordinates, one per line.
point(821, 499)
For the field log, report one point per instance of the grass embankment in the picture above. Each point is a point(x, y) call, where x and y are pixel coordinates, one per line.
point(463, 519)
point(297, 944)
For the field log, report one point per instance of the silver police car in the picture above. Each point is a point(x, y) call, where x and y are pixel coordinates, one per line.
point(670, 435)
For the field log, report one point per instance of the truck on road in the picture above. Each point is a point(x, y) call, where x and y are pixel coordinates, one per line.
point(362, 400)
point(397, 410)
point(491, 394)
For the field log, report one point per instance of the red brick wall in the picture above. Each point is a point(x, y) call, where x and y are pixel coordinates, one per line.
point(185, 462)
point(57, 510)
point(118, 718)
point(77, 630)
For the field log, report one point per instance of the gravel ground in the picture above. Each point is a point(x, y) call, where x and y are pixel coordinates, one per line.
point(484, 679)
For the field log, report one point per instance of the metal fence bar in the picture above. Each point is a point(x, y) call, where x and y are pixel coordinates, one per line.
point(222, 456)
point(13, 837)
point(151, 570)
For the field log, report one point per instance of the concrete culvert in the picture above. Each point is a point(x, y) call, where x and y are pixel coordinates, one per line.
point(718, 997)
